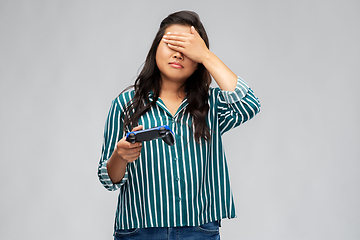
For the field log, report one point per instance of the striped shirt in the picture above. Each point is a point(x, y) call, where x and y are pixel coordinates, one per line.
point(182, 185)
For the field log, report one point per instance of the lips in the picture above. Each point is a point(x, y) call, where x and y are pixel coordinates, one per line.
point(176, 65)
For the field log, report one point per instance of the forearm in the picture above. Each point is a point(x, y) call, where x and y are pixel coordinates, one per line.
point(116, 167)
point(223, 76)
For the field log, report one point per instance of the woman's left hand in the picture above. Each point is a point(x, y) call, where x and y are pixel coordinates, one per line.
point(189, 44)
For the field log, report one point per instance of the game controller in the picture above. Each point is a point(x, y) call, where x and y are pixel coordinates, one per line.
point(163, 132)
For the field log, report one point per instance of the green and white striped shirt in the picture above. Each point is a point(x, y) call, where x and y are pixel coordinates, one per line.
point(182, 185)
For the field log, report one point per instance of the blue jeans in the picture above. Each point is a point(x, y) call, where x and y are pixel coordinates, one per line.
point(208, 231)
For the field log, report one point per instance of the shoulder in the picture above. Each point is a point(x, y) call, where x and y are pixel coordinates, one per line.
point(124, 98)
point(213, 92)
point(213, 96)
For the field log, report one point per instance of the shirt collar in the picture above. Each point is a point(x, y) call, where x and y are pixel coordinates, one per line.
point(182, 106)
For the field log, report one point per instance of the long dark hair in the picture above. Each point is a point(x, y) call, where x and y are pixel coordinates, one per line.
point(149, 79)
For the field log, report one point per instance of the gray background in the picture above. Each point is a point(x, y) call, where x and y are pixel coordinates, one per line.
point(294, 168)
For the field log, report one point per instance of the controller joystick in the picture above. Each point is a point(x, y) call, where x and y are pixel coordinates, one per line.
point(163, 132)
point(131, 138)
point(169, 138)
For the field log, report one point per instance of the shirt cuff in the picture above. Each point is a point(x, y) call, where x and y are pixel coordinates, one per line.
point(106, 181)
point(240, 92)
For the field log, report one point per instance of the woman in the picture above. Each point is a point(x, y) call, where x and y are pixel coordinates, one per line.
point(181, 191)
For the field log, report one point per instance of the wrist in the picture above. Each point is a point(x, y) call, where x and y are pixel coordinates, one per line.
point(118, 157)
point(207, 57)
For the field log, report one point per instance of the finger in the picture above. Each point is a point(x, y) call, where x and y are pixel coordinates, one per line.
point(132, 156)
point(135, 145)
point(193, 31)
point(131, 153)
point(176, 37)
point(180, 34)
point(174, 43)
point(137, 128)
point(176, 48)
point(123, 144)
point(132, 159)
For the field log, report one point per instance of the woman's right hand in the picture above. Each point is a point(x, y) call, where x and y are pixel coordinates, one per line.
point(127, 151)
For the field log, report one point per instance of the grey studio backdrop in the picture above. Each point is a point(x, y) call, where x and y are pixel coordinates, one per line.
point(294, 168)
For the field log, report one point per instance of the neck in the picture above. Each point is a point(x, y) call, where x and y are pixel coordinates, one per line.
point(172, 89)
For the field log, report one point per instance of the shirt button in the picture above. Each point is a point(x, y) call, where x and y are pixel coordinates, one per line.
point(179, 199)
point(175, 159)
point(177, 179)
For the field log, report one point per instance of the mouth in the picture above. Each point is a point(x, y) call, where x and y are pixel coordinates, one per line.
point(176, 65)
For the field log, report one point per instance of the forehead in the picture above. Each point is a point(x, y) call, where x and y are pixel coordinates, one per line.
point(178, 28)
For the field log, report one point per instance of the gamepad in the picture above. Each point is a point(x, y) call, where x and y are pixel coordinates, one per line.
point(163, 132)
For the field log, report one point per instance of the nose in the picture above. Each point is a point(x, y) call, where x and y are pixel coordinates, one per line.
point(178, 55)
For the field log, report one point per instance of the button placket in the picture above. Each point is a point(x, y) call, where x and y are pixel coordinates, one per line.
point(177, 171)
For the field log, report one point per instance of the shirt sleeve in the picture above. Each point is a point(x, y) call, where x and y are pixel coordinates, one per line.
point(113, 132)
point(236, 107)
